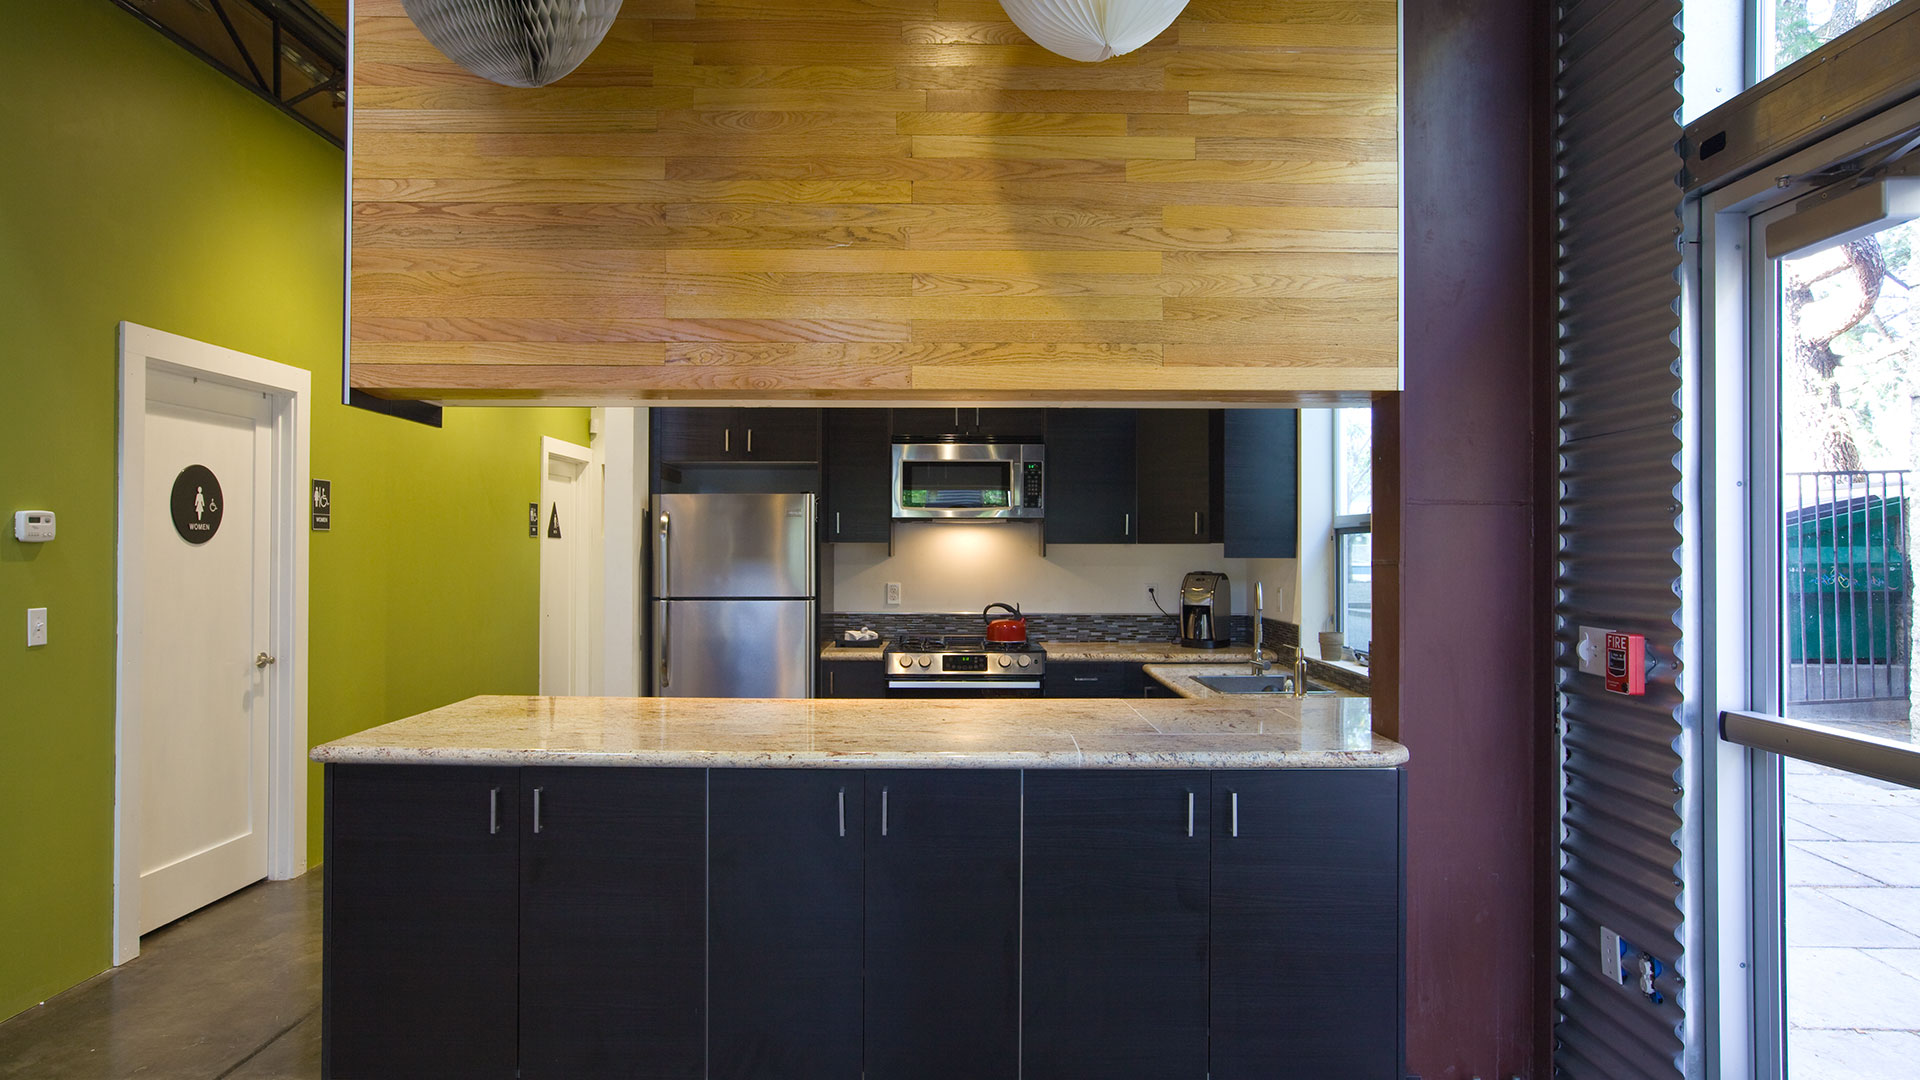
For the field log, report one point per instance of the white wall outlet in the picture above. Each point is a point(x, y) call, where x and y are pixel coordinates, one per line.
point(33, 526)
point(893, 594)
point(36, 626)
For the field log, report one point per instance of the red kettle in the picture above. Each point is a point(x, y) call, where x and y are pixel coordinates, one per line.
point(1005, 631)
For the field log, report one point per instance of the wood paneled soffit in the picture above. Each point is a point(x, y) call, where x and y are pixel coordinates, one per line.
point(895, 200)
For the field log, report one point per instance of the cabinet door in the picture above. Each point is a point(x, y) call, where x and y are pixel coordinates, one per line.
point(1116, 925)
point(1090, 469)
point(1261, 484)
point(859, 476)
point(852, 679)
point(613, 923)
point(777, 435)
point(929, 425)
point(682, 435)
point(784, 923)
point(1178, 453)
point(943, 925)
point(1008, 425)
point(1307, 925)
point(1088, 679)
point(422, 922)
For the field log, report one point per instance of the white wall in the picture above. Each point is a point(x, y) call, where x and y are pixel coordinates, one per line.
point(1316, 564)
point(944, 567)
point(620, 451)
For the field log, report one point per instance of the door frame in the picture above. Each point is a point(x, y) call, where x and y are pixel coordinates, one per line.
point(552, 450)
point(288, 389)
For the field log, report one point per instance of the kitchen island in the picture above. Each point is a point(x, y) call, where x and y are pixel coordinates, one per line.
point(792, 889)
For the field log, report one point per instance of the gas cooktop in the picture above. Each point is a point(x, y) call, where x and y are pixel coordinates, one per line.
point(969, 658)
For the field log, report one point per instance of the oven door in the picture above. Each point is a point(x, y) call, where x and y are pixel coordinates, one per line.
point(968, 481)
point(963, 688)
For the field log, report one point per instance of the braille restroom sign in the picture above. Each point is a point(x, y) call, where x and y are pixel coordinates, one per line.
point(197, 504)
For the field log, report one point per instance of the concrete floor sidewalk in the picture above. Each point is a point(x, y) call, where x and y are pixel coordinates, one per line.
point(231, 992)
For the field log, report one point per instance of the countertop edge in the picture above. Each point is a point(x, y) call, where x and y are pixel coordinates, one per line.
point(685, 759)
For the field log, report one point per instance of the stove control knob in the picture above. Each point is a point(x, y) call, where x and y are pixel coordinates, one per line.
point(1024, 660)
point(906, 661)
point(926, 661)
point(1005, 660)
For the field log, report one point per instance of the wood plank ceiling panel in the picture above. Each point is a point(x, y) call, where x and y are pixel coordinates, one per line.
point(883, 199)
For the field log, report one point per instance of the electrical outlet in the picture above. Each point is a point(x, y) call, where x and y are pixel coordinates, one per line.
point(36, 627)
point(893, 594)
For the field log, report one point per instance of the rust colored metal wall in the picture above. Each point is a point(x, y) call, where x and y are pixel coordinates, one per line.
point(1474, 702)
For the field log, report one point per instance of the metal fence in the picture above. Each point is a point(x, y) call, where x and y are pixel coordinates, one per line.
point(1849, 610)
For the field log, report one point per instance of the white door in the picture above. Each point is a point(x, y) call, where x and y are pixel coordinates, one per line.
point(203, 699)
point(568, 523)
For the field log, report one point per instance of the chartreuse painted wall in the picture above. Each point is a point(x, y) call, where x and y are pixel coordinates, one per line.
point(142, 185)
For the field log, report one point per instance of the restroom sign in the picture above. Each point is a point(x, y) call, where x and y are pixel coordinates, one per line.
point(322, 505)
point(197, 504)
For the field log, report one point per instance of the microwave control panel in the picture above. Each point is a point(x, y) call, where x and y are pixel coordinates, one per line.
point(1032, 485)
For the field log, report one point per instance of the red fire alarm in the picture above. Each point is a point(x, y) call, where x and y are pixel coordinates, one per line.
point(1627, 663)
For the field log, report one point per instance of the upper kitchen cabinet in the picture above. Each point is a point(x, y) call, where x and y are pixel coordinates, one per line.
point(1178, 471)
point(1261, 473)
point(769, 436)
point(1090, 455)
point(905, 202)
point(859, 476)
point(992, 425)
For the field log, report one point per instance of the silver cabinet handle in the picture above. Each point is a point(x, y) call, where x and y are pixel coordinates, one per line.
point(493, 812)
point(263, 660)
point(1189, 813)
point(1126, 524)
point(843, 811)
point(1233, 800)
point(836, 523)
point(829, 682)
point(883, 811)
point(1196, 523)
point(749, 440)
point(536, 810)
point(726, 440)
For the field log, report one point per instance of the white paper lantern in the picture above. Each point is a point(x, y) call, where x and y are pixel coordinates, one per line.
point(1093, 30)
point(514, 42)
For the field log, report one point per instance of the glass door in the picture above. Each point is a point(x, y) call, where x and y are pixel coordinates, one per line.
point(1837, 470)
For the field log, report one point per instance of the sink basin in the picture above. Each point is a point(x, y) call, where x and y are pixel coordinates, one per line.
point(1258, 684)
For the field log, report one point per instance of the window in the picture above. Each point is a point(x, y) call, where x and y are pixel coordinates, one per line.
point(1790, 29)
point(1353, 526)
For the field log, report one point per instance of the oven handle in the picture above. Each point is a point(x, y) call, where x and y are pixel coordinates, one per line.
point(961, 684)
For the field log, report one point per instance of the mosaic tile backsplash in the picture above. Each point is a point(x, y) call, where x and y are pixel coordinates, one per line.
point(1045, 627)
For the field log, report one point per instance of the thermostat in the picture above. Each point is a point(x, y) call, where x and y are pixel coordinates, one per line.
point(33, 526)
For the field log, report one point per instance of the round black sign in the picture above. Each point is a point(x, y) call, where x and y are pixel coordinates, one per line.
point(197, 504)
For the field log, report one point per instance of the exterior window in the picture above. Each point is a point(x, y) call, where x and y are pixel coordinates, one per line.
point(1790, 29)
point(1353, 526)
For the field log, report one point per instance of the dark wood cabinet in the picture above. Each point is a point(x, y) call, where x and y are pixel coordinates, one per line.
point(422, 922)
point(1094, 679)
point(852, 679)
point(1178, 454)
point(1090, 462)
point(942, 925)
point(1308, 920)
point(1261, 478)
point(1116, 925)
point(612, 923)
point(784, 924)
point(701, 435)
point(999, 425)
point(858, 464)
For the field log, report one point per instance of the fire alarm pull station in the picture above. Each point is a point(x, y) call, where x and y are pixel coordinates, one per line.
point(1627, 663)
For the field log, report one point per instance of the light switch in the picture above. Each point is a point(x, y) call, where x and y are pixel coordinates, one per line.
point(36, 626)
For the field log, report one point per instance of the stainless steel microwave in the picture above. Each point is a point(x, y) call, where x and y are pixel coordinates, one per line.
point(968, 481)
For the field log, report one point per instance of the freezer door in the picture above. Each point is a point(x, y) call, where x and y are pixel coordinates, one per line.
point(733, 648)
point(733, 545)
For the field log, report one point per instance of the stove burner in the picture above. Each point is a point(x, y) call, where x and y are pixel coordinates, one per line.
point(1009, 646)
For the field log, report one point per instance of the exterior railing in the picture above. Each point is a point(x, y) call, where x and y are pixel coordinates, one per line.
point(1849, 608)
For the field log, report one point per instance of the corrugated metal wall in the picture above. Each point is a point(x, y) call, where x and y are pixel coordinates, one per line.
point(1619, 386)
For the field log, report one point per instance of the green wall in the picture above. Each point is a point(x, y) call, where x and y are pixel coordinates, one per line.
point(142, 185)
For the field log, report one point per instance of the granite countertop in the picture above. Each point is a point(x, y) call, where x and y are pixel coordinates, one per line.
point(1133, 652)
point(862, 651)
point(1224, 733)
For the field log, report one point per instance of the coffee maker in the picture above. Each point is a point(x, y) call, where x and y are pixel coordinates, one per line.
point(1206, 610)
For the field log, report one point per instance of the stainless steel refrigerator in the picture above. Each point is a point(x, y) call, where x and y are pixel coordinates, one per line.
point(733, 602)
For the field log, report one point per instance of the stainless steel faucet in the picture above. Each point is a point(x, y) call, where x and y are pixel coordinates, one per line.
point(1261, 665)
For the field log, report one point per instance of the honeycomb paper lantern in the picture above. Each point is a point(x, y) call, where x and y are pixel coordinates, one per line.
point(1092, 30)
point(514, 42)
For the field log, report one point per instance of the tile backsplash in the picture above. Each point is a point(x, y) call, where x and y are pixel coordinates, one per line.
point(1044, 627)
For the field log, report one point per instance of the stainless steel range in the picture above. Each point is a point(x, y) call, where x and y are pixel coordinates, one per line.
point(963, 667)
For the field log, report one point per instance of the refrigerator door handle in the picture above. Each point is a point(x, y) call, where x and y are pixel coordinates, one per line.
point(666, 555)
point(666, 642)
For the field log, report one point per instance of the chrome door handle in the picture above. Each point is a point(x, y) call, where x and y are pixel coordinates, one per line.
point(263, 660)
point(493, 812)
point(1189, 813)
point(536, 810)
point(883, 811)
point(836, 523)
point(726, 440)
point(666, 554)
point(749, 440)
point(666, 645)
point(1233, 800)
point(1196, 523)
point(843, 811)
point(1126, 524)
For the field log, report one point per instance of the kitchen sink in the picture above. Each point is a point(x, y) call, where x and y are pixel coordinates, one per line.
point(1259, 684)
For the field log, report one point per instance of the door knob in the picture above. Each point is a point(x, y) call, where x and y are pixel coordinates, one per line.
point(262, 660)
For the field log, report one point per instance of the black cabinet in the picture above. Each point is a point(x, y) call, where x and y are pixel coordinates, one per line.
point(852, 679)
point(784, 924)
point(1178, 475)
point(998, 425)
point(942, 925)
point(1116, 925)
point(771, 436)
point(1094, 679)
point(1307, 971)
point(422, 922)
point(612, 923)
point(1090, 456)
point(858, 476)
point(1261, 479)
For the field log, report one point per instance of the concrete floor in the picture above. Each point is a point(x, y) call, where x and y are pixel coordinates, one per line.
point(231, 992)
